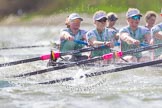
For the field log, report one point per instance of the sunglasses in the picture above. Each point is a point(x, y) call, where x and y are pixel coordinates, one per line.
point(102, 20)
point(137, 17)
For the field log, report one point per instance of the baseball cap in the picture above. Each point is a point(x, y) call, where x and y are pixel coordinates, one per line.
point(112, 16)
point(74, 16)
point(99, 15)
point(133, 12)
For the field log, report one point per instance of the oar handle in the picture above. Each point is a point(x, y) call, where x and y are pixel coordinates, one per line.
point(81, 42)
point(144, 44)
point(141, 44)
point(117, 44)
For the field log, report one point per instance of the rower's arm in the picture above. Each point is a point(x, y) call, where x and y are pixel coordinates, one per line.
point(148, 38)
point(66, 36)
point(125, 37)
point(158, 35)
point(93, 41)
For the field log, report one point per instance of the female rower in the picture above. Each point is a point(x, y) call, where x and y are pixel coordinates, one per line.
point(156, 33)
point(132, 35)
point(69, 34)
point(112, 18)
point(100, 35)
point(150, 19)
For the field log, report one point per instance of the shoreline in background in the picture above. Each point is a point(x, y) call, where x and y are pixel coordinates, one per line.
point(59, 19)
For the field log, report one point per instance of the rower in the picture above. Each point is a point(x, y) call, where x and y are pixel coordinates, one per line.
point(132, 35)
point(111, 21)
point(112, 18)
point(100, 35)
point(69, 34)
point(150, 19)
point(156, 33)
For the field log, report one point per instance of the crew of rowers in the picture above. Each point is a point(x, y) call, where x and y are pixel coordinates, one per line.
point(104, 33)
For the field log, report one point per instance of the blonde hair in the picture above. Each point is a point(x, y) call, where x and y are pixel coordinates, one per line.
point(149, 14)
point(67, 22)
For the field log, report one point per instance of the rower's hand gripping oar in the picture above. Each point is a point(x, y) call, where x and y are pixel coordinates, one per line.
point(118, 44)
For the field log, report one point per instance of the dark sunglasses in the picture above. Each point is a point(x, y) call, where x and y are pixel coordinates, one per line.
point(137, 17)
point(102, 20)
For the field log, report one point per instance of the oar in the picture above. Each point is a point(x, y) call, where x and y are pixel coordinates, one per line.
point(43, 57)
point(56, 55)
point(104, 57)
point(88, 75)
point(48, 56)
point(21, 47)
point(34, 46)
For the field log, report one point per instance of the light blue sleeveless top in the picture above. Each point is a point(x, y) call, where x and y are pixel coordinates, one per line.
point(107, 35)
point(154, 30)
point(138, 35)
point(67, 45)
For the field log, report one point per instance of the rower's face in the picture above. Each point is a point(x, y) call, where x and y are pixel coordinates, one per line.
point(101, 24)
point(75, 24)
point(111, 23)
point(151, 20)
point(134, 21)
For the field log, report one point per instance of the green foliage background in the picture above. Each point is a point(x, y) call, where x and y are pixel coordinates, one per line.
point(48, 7)
point(90, 6)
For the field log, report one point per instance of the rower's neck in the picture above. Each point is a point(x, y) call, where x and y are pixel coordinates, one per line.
point(133, 28)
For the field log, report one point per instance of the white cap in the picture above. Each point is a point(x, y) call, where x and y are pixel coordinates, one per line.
point(99, 15)
point(133, 12)
point(74, 16)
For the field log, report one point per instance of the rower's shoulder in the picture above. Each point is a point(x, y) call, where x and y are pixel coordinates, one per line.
point(159, 25)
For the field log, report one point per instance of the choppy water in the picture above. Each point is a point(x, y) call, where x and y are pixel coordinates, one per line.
point(138, 88)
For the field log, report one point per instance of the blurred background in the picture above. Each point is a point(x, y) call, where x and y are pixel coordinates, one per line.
point(38, 22)
point(29, 9)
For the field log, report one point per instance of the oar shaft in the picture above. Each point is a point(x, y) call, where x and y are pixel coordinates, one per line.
point(73, 52)
point(19, 62)
point(59, 67)
point(137, 50)
point(19, 47)
point(88, 75)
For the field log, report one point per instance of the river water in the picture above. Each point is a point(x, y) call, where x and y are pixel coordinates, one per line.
point(137, 88)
